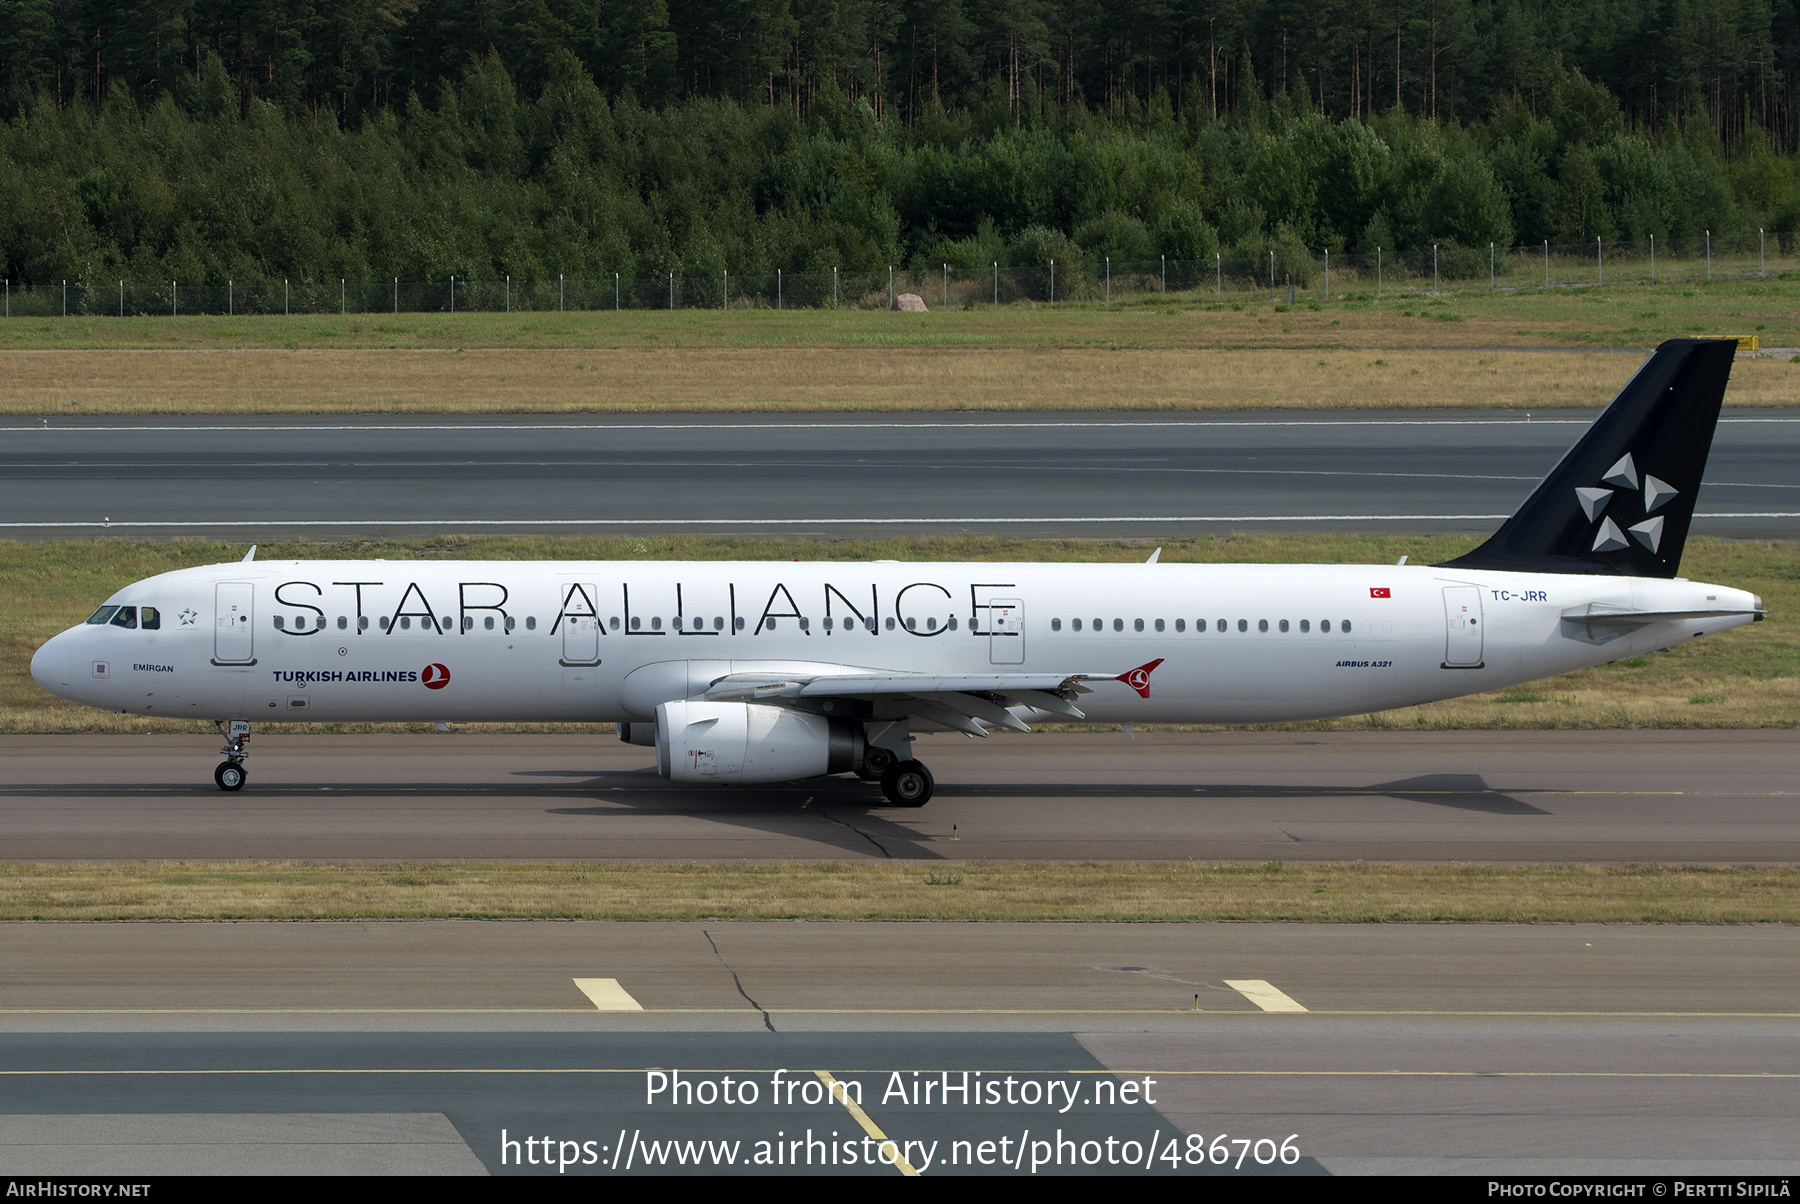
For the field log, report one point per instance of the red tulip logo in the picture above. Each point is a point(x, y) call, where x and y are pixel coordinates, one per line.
point(435, 677)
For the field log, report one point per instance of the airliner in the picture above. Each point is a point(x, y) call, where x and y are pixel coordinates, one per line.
point(750, 672)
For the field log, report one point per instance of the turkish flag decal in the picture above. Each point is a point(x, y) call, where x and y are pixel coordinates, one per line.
point(1380, 591)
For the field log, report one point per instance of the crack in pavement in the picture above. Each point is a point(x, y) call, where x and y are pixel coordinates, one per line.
point(737, 982)
point(846, 823)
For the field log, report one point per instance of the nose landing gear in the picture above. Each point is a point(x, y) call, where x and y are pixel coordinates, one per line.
point(230, 773)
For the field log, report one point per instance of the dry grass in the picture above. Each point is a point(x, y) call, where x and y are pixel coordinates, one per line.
point(825, 379)
point(905, 891)
point(1191, 354)
point(1745, 678)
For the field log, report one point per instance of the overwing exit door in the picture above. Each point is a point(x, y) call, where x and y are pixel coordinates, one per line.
point(1006, 632)
point(1462, 622)
point(580, 619)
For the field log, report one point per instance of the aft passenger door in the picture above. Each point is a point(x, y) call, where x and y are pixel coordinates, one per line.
point(234, 623)
point(1462, 621)
point(1006, 632)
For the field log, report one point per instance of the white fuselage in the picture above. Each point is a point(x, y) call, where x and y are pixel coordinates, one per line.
point(326, 641)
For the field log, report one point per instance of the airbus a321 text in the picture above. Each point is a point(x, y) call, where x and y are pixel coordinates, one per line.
point(771, 672)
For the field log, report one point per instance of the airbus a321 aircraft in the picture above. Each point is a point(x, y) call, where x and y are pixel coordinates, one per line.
point(769, 672)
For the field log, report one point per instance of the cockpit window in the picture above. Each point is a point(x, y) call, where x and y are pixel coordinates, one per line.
point(127, 617)
point(149, 619)
point(103, 614)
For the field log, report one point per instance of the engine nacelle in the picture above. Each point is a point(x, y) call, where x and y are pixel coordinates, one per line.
point(747, 743)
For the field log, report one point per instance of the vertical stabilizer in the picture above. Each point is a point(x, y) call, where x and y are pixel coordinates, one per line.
point(1621, 500)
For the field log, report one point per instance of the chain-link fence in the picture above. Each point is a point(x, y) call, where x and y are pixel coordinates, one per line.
point(1279, 273)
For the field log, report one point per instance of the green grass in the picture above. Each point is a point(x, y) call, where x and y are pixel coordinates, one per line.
point(1744, 678)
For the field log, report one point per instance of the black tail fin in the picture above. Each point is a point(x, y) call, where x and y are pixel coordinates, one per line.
point(1620, 501)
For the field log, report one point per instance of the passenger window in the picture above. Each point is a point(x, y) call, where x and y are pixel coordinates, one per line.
point(1262, 624)
point(656, 623)
point(151, 619)
point(738, 622)
point(1159, 624)
point(770, 624)
point(930, 624)
point(1099, 624)
point(362, 623)
point(1243, 624)
point(1221, 626)
point(890, 622)
point(636, 622)
point(103, 614)
point(279, 623)
point(718, 622)
point(614, 623)
point(469, 622)
point(406, 623)
point(444, 624)
point(1137, 624)
point(1075, 623)
point(912, 624)
point(952, 622)
point(1305, 626)
point(343, 623)
point(512, 622)
point(530, 622)
point(127, 617)
point(1284, 625)
point(1344, 626)
point(1181, 625)
point(384, 622)
point(1056, 624)
point(488, 622)
point(1325, 626)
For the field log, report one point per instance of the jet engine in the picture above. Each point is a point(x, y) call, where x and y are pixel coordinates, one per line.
point(748, 743)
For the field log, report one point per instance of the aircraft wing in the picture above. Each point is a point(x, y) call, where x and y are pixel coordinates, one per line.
point(964, 702)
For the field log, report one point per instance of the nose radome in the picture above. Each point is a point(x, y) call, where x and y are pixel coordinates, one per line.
point(50, 666)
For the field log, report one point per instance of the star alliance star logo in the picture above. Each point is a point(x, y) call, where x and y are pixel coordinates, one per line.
point(188, 616)
point(1624, 475)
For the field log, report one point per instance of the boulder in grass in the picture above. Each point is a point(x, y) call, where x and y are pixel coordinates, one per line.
point(909, 303)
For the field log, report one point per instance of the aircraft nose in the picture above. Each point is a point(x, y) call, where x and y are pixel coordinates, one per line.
point(50, 666)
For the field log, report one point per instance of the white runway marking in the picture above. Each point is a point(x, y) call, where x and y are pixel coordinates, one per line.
point(608, 995)
point(1263, 995)
point(984, 521)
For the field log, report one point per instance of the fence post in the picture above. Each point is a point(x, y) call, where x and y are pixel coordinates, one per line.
point(1328, 273)
point(121, 298)
point(890, 286)
point(1762, 260)
point(777, 291)
point(452, 294)
point(1599, 263)
point(1709, 256)
point(286, 308)
point(65, 298)
point(671, 290)
point(1546, 263)
point(726, 276)
point(343, 295)
point(1271, 277)
point(1378, 273)
point(509, 292)
point(230, 298)
point(1218, 275)
point(1434, 270)
point(1053, 282)
point(1109, 280)
point(1653, 259)
point(396, 295)
point(946, 286)
point(996, 284)
point(834, 286)
point(559, 292)
point(174, 300)
point(1490, 267)
point(1165, 277)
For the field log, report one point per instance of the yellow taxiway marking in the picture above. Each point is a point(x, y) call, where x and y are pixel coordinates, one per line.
point(1216, 1013)
point(842, 1096)
point(1263, 995)
point(607, 995)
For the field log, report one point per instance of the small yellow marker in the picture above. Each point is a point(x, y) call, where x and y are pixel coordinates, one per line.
point(607, 995)
point(953, 835)
point(1264, 996)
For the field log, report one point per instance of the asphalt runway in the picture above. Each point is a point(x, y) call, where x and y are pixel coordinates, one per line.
point(422, 1047)
point(1689, 796)
point(835, 474)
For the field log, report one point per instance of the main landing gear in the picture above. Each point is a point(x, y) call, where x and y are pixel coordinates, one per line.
point(230, 774)
point(907, 783)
